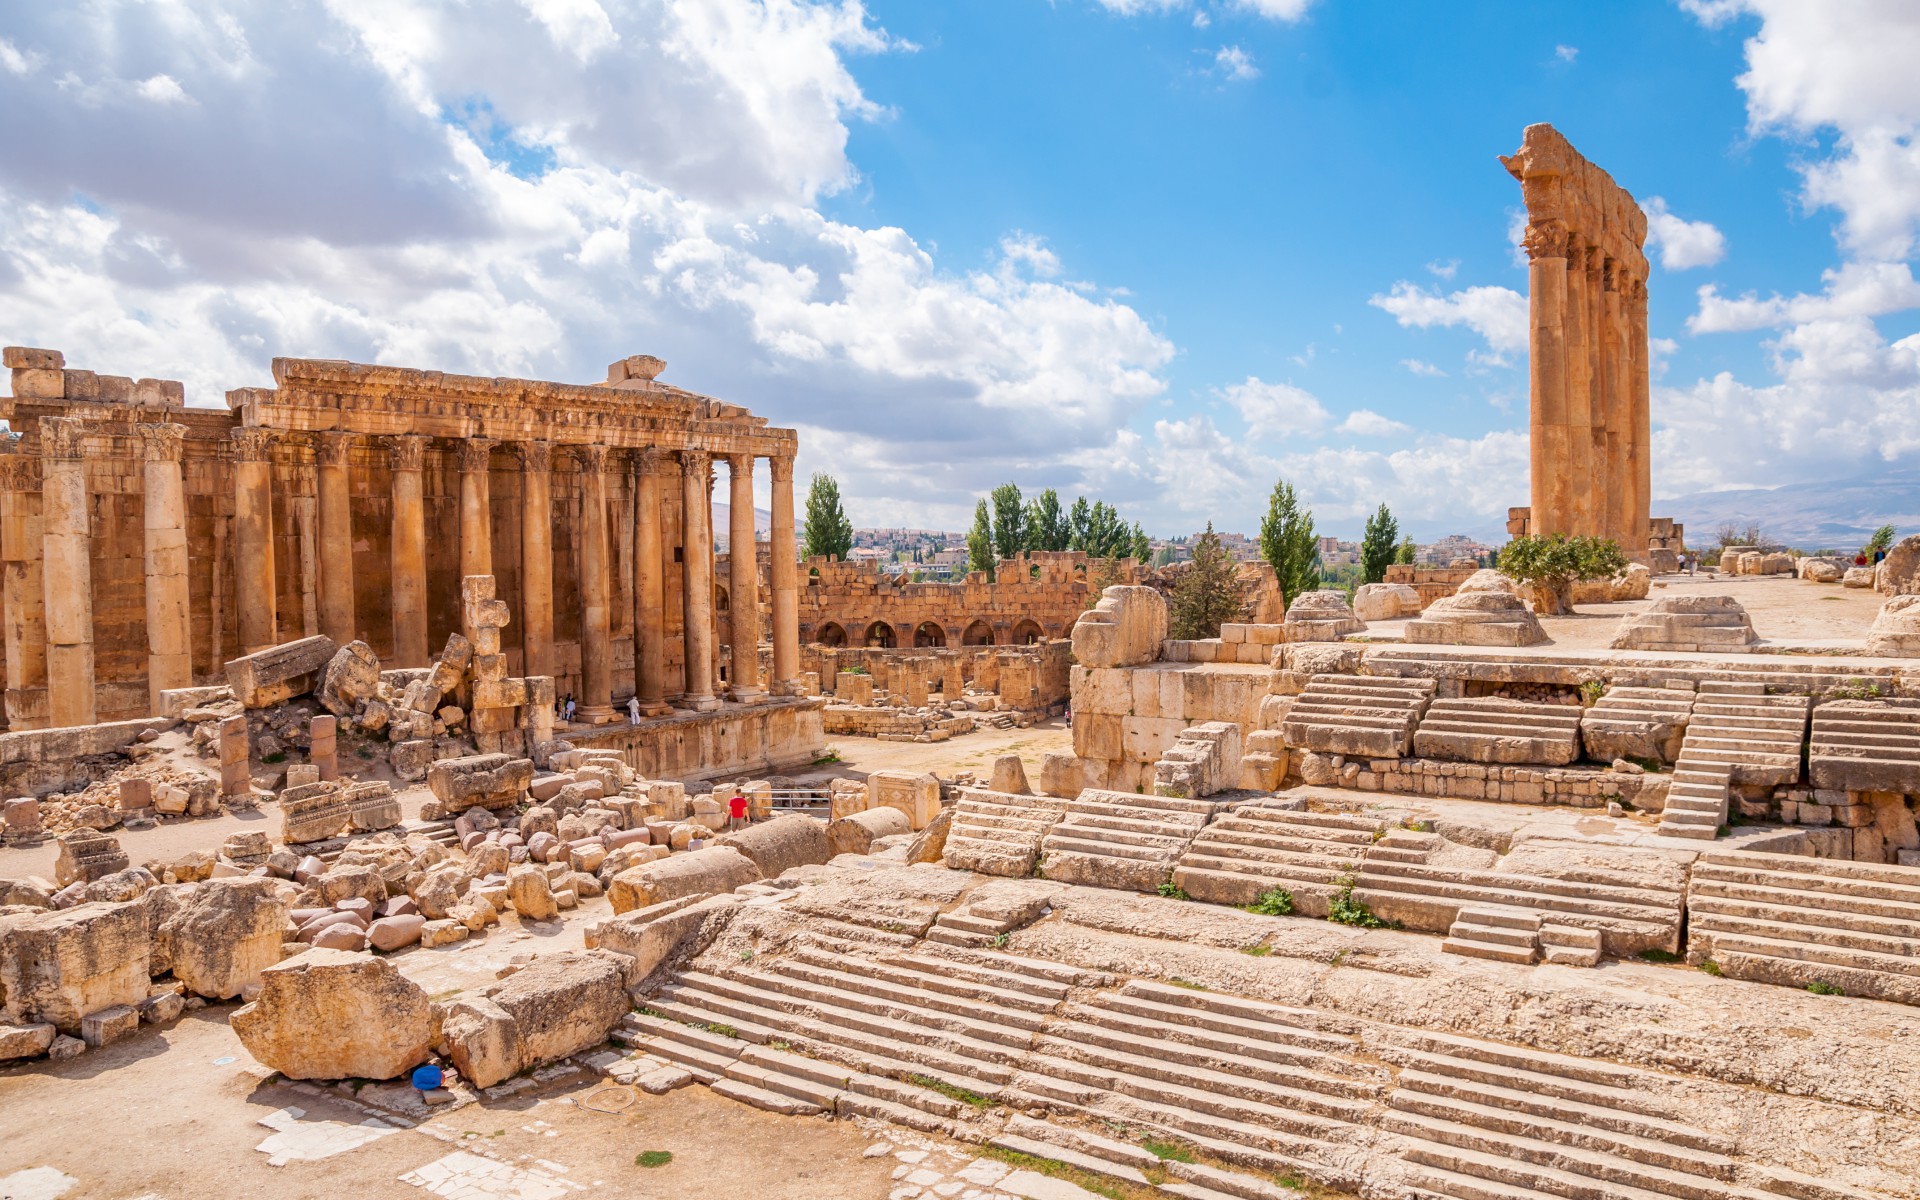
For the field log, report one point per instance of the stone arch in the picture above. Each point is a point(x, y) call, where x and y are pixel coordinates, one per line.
point(979, 633)
point(1027, 632)
point(929, 634)
point(880, 635)
point(719, 599)
point(831, 634)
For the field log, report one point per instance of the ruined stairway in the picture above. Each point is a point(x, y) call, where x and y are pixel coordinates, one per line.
point(1121, 840)
point(1636, 722)
point(1738, 733)
point(1494, 729)
point(999, 833)
point(1772, 672)
point(1360, 715)
point(1866, 746)
point(1786, 919)
point(1254, 849)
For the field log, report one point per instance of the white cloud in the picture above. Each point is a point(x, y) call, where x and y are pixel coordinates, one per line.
point(1235, 63)
point(12, 60)
point(1129, 8)
point(580, 27)
point(1444, 270)
point(1278, 10)
point(1852, 290)
point(1497, 314)
point(1566, 54)
point(1419, 367)
point(162, 89)
point(1364, 422)
point(1288, 11)
point(1200, 18)
point(1683, 244)
point(1276, 409)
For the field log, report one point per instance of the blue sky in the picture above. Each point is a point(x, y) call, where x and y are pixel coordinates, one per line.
point(1161, 251)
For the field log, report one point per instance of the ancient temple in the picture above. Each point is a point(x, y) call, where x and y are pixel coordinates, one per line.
point(144, 543)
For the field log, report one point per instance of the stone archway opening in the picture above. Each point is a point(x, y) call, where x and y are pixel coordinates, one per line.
point(977, 634)
point(929, 634)
point(880, 636)
point(1027, 632)
point(831, 634)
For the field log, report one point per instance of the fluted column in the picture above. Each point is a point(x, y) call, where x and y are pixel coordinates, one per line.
point(253, 574)
point(409, 545)
point(1618, 407)
point(696, 476)
point(786, 597)
point(164, 529)
point(476, 521)
point(67, 568)
point(743, 581)
point(1642, 421)
point(649, 585)
point(1581, 516)
point(23, 595)
point(1546, 246)
point(596, 641)
point(536, 558)
point(337, 618)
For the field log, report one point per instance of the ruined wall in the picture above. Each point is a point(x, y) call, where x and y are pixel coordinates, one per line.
point(1032, 598)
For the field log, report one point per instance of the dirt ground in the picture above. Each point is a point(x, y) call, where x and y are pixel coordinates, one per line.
point(973, 752)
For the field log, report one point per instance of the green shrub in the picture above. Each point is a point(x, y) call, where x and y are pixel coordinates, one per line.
point(1276, 902)
point(653, 1158)
point(1173, 891)
point(1822, 988)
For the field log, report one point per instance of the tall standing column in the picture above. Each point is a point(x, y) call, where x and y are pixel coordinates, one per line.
point(1546, 246)
point(1641, 453)
point(649, 586)
point(253, 575)
point(536, 558)
point(596, 641)
point(67, 569)
point(1595, 318)
point(164, 528)
point(696, 475)
point(337, 619)
point(409, 545)
point(23, 594)
point(476, 516)
point(786, 597)
point(1582, 516)
point(743, 581)
point(1618, 407)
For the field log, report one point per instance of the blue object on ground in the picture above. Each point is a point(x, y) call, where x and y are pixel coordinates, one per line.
point(426, 1078)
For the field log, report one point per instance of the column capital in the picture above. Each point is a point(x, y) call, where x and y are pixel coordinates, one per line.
point(19, 473)
point(476, 454)
point(409, 451)
point(740, 462)
point(651, 460)
point(782, 468)
point(694, 462)
point(161, 441)
point(63, 437)
point(1545, 239)
point(1610, 274)
point(333, 448)
point(534, 456)
point(590, 457)
point(251, 443)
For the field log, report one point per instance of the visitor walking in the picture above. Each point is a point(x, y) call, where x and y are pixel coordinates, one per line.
point(570, 708)
point(737, 812)
point(633, 710)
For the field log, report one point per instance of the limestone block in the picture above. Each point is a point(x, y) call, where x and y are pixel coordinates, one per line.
point(29, 358)
point(915, 794)
point(856, 834)
point(531, 893)
point(1009, 775)
point(712, 869)
point(1484, 612)
point(444, 932)
point(1687, 623)
point(1146, 739)
point(314, 812)
point(489, 780)
point(1857, 577)
point(25, 1041)
point(1385, 602)
point(648, 937)
point(350, 679)
point(1060, 775)
point(930, 844)
point(1895, 632)
point(85, 856)
point(372, 806)
point(790, 841)
point(1321, 616)
point(279, 673)
point(109, 1025)
point(1102, 690)
point(58, 966)
point(218, 936)
point(1899, 573)
point(1633, 583)
point(332, 1014)
point(1124, 629)
point(1097, 735)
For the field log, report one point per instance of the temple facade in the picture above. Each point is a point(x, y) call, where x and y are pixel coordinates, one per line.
point(144, 543)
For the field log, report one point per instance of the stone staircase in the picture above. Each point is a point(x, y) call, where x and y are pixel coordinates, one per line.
point(1637, 722)
point(1571, 668)
point(1253, 849)
point(1518, 935)
point(1786, 919)
point(1359, 715)
point(999, 833)
point(1866, 746)
point(1494, 729)
point(1738, 733)
point(1484, 1121)
point(1121, 840)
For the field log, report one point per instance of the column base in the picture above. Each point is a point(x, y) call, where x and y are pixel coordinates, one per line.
point(786, 687)
point(594, 714)
point(751, 695)
point(698, 703)
point(655, 708)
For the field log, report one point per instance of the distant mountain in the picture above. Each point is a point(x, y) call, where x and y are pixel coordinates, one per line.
point(723, 523)
point(1835, 514)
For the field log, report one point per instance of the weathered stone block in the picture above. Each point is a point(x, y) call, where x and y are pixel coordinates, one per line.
point(487, 780)
point(334, 1014)
point(917, 795)
point(279, 673)
point(56, 967)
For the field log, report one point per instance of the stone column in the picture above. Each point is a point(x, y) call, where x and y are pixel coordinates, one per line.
point(596, 643)
point(1581, 515)
point(786, 595)
point(67, 570)
point(23, 597)
point(332, 481)
point(1641, 452)
point(1600, 409)
point(649, 586)
point(409, 545)
point(1618, 406)
point(536, 558)
point(164, 527)
point(476, 519)
point(743, 581)
point(253, 576)
point(696, 474)
point(1546, 246)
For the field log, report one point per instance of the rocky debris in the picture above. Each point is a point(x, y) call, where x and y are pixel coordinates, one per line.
point(1857, 577)
point(708, 870)
point(555, 1006)
point(56, 967)
point(1124, 629)
point(532, 894)
point(279, 673)
point(1895, 632)
point(314, 812)
point(916, 794)
point(332, 1014)
point(1321, 616)
point(1486, 610)
point(856, 833)
point(781, 844)
point(351, 680)
point(1385, 601)
point(86, 856)
point(490, 781)
point(930, 844)
point(1009, 775)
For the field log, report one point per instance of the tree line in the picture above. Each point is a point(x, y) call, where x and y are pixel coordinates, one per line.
point(1014, 524)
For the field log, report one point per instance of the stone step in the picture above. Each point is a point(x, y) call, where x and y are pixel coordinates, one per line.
point(1174, 825)
point(1293, 1109)
point(1328, 1058)
point(1300, 817)
point(1468, 944)
point(1464, 1173)
point(963, 923)
point(1504, 918)
point(1277, 839)
point(1256, 1019)
point(763, 1098)
point(1243, 883)
point(965, 972)
point(953, 937)
point(1770, 940)
point(1060, 1150)
point(1542, 1069)
point(1806, 873)
point(1504, 889)
point(1500, 935)
point(1893, 938)
point(852, 993)
point(1438, 1077)
point(894, 990)
point(1123, 803)
point(1810, 904)
point(1069, 841)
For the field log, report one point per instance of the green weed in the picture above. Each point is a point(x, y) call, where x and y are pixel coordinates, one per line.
point(951, 1091)
point(1257, 950)
point(1188, 984)
point(1277, 902)
point(1820, 987)
point(1343, 909)
point(1168, 1151)
point(653, 1158)
point(1173, 891)
point(1654, 954)
point(1710, 967)
point(726, 1031)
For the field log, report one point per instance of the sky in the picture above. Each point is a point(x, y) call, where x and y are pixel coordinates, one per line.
point(1161, 252)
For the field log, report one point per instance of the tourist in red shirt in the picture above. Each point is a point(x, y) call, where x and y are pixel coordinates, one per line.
point(737, 811)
